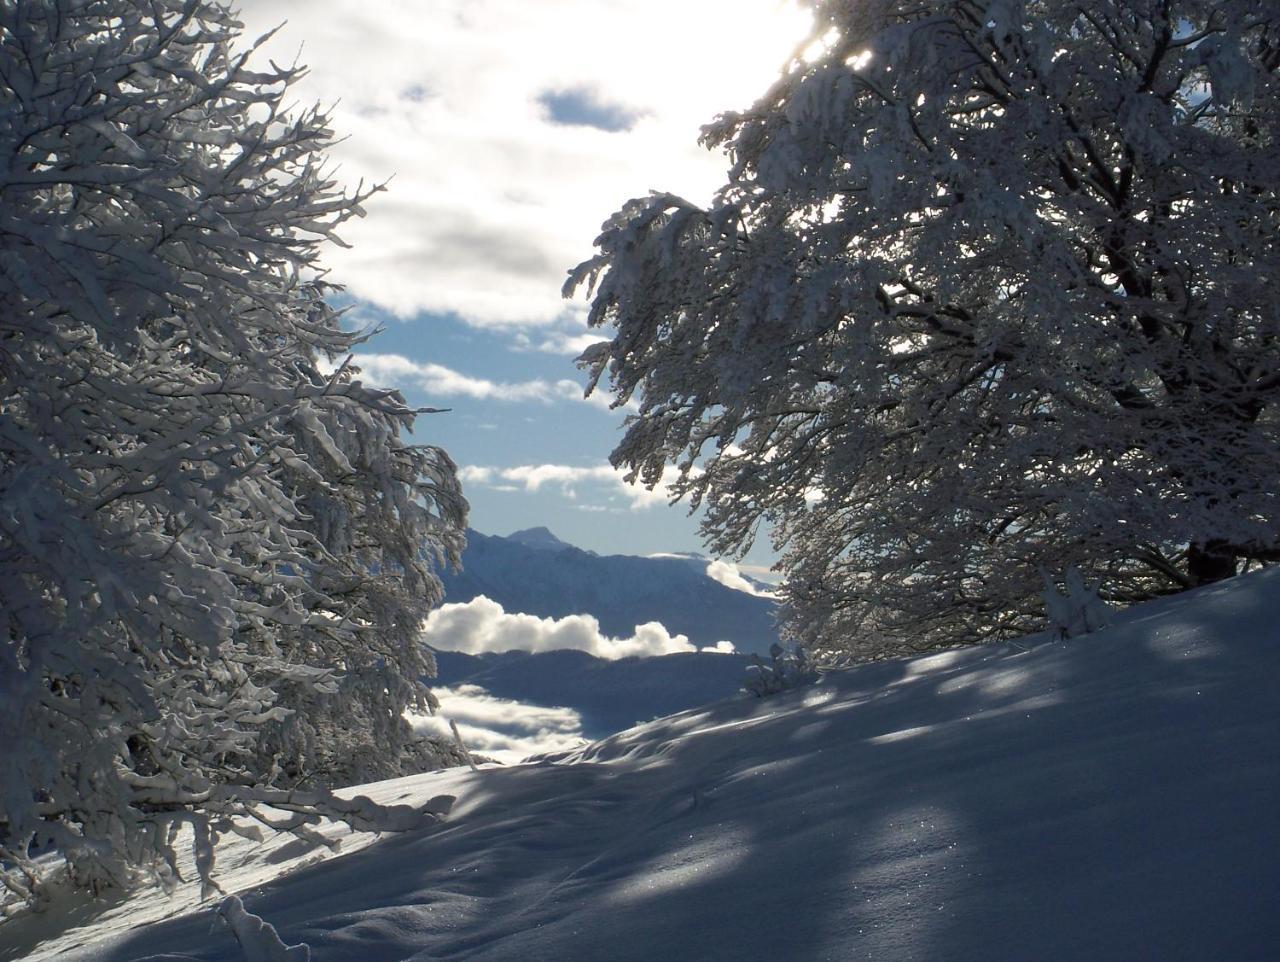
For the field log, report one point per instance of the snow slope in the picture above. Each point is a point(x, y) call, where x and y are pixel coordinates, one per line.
point(536, 573)
point(1111, 797)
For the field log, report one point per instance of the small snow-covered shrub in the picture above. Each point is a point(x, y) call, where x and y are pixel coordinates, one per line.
point(1077, 612)
point(786, 670)
point(258, 938)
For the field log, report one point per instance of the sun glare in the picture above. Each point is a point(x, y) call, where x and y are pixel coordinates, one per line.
point(761, 36)
point(710, 56)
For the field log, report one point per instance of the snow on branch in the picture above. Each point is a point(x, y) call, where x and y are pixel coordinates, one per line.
point(989, 286)
point(217, 547)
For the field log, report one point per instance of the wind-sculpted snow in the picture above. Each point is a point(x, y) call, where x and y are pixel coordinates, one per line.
point(258, 940)
point(1110, 797)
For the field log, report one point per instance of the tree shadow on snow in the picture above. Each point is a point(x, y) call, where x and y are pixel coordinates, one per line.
point(1101, 798)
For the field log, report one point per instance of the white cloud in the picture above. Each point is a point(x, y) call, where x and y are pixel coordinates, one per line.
point(492, 199)
point(482, 625)
point(727, 573)
point(398, 371)
point(573, 391)
point(720, 648)
point(570, 343)
point(604, 478)
point(763, 573)
point(395, 370)
point(500, 728)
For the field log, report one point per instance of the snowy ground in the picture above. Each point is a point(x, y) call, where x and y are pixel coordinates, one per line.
point(1112, 797)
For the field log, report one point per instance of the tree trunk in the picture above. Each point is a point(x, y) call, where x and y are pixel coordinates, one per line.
point(1210, 561)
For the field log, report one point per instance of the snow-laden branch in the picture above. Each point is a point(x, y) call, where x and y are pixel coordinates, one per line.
point(990, 285)
point(217, 550)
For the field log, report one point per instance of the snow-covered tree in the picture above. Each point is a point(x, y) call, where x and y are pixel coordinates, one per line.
point(992, 284)
point(786, 670)
point(217, 547)
point(1077, 612)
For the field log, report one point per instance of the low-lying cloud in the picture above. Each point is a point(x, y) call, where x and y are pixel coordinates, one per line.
point(728, 574)
point(499, 728)
point(482, 625)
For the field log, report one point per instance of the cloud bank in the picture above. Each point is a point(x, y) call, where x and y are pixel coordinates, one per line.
point(482, 625)
point(500, 728)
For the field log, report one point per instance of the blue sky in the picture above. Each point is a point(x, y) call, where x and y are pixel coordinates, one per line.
point(506, 132)
point(531, 451)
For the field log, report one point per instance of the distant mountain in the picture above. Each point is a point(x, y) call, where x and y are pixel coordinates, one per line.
point(536, 573)
point(540, 538)
point(609, 695)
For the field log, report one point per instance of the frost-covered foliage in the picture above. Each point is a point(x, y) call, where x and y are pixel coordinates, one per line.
point(216, 556)
point(991, 284)
point(785, 670)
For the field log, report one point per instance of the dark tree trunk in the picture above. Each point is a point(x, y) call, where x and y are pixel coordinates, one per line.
point(1210, 561)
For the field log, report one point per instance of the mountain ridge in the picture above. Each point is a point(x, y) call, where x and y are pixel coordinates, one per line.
point(534, 572)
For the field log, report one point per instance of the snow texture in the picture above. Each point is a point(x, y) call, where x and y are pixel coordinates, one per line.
point(1077, 612)
point(785, 670)
point(1109, 797)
